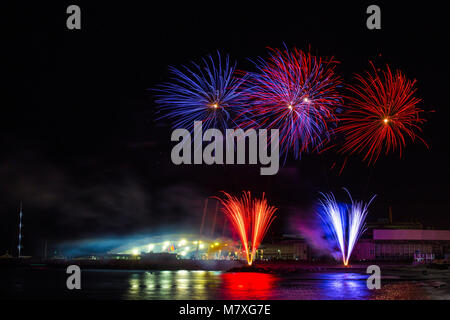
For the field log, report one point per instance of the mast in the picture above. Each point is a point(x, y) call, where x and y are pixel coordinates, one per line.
point(20, 231)
point(205, 208)
point(213, 227)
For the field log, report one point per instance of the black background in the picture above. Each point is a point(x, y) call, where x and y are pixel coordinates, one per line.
point(81, 148)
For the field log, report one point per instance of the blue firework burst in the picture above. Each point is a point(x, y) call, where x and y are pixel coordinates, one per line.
point(210, 92)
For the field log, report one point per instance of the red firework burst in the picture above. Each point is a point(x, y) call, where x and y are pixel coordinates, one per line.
point(250, 218)
point(382, 113)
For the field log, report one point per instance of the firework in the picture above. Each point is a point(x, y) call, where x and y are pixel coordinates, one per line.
point(381, 114)
point(346, 222)
point(296, 93)
point(251, 218)
point(209, 92)
point(334, 218)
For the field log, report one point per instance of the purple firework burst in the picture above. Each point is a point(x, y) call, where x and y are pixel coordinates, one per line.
point(294, 92)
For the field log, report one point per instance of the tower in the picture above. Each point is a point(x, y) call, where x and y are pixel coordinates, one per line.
point(20, 230)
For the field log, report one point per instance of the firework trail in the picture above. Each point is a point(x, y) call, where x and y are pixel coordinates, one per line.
point(347, 223)
point(296, 93)
point(357, 216)
point(250, 218)
point(261, 221)
point(209, 92)
point(382, 112)
point(237, 210)
point(334, 218)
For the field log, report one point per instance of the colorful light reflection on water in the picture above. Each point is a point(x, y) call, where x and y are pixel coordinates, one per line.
point(201, 285)
point(262, 286)
point(248, 285)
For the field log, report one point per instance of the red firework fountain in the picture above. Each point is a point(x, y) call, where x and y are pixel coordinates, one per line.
point(250, 218)
point(381, 114)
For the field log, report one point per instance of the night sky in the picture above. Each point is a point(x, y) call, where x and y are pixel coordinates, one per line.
point(81, 148)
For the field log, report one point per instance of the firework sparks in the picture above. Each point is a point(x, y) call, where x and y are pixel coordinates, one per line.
point(381, 114)
point(208, 92)
point(334, 218)
point(251, 218)
point(296, 93)
point(346, 223)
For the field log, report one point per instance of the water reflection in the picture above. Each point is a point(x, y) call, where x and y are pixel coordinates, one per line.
point(325, 286)
point(180, 284)
point(234, 286)
point(248, 285)
point(138, 284)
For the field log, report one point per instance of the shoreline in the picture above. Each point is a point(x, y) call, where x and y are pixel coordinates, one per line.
point(391, 271)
